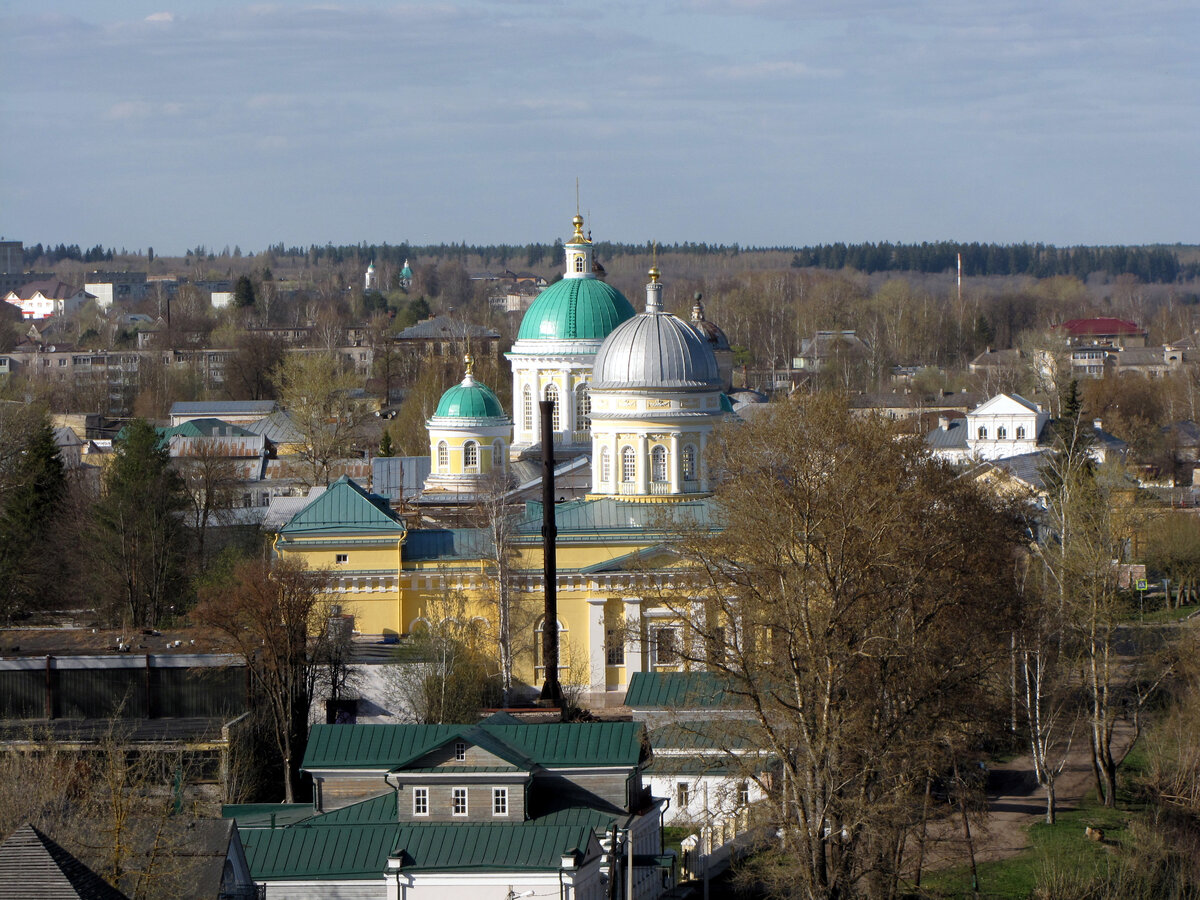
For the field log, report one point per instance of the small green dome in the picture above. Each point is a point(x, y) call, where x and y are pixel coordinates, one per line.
point(469, 400)
point(575, 309)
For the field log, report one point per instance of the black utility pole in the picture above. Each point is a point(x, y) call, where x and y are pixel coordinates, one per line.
point(551, 689)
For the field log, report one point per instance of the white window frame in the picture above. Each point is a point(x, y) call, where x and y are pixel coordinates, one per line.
point(458, 800)
point(551, 394)
point(341, 559)
point(527, 408)
point(660, 471)
point(499, 801)
point(683, 794)
point(420, 801)
point(676, 649)
point(688, 457)
point(471, 457)
point(583, 407)
point(605, 466)
point(460, 751)
point(443, 457)
point(628, 465)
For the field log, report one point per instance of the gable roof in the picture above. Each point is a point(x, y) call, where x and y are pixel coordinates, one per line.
point(445, 328)
point(50, 288)
point(35, 867)
point(552, 745)
point(278, 428)
point(344, 508)
point(206, 427)
point(1099, 325)
point(997, 403)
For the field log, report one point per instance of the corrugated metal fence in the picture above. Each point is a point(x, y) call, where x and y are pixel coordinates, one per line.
point(140, 687)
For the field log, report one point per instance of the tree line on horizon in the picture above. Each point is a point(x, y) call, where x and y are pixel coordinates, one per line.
point(1151, 264)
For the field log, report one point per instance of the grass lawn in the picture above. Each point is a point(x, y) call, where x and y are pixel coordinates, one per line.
point(1161, 616)
point(1064, 845)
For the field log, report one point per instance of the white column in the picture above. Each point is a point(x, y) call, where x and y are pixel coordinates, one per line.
point(633, 639)
point(597, 657)
point(673, 464)
point(643, 464)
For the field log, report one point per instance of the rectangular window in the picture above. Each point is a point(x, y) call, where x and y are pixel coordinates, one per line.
point(420, 801)
point(460, 751)
point(614, 647)
point(459, 802)
point(341, 558)
point(744, 794)
point(499, 801)
point(682, 794)
point(666, 647)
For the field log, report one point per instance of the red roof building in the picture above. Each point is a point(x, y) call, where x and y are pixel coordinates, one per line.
point(1103, 331)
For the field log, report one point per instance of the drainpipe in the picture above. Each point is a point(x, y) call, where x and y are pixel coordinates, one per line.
point(551, 690)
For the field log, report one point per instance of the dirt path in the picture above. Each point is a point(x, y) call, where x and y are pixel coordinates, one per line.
point(1015, 801)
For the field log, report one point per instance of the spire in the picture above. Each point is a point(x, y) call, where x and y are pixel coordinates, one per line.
point(468, 364)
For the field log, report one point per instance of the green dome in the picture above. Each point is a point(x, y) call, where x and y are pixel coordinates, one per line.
point(469, 400)
point(575, 309)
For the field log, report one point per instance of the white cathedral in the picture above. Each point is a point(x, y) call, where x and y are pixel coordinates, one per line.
point(639, 393)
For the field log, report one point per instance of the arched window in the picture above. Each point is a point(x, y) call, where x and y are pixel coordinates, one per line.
point(443, 456)
point(579, 263)
point(470, 457)
point(552, 396)
point(1020, 432)
point(583, 407)
point(539, 647)
point(527, 409)
point(658, 463)
point(1001, 433)
point(689, 462)
point(497, 454)
point(628, 465)
point(982, 433)
point(605, 466)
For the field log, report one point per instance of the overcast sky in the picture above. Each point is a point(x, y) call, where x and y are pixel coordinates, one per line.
point(142, 123)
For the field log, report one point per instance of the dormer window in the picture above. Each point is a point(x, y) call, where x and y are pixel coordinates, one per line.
point(579, 263)
point(460, 751)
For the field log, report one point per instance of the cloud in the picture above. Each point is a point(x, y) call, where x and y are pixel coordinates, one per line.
point(161, 17)
point(135, 110)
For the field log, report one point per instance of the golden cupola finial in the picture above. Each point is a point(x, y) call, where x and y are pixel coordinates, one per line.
point(468, 363)
point(577, 237)
point(654, 274)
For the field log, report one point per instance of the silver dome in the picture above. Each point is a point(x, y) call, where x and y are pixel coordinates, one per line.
point(655, 350)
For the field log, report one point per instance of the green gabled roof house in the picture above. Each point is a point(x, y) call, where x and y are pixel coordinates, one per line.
point(493, 809)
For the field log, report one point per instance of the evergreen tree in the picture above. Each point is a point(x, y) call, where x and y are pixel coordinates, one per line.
point(385, 445)
point(243, 292)
point(34, 490)
point(140, 550)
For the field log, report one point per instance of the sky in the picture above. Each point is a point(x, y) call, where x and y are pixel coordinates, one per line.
point(184, 123)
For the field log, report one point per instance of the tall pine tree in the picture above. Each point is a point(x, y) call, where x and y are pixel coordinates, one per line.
point(35, 488)
point(140, 549)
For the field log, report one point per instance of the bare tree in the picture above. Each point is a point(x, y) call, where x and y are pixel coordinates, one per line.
point(317, 394)
point(212, 479)
point(276, 615)
point(858, 599)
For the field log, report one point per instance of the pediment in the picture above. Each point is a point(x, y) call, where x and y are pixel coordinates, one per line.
point(1006, 405)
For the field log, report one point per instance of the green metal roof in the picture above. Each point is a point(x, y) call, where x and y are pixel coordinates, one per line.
point(300, 852)
point(262, 815)
point(551, 745)
point(525, 846)
point(206, 428)
point(680, 690)
point(469, 400)
point(575, 309)
point(725, 734)
point(344, 508)
point(305, 853)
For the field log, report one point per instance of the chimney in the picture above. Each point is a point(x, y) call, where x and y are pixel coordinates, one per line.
point(1096, 422)
point(944, 423)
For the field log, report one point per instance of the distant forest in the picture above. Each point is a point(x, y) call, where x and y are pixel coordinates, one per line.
point(1158, 264)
